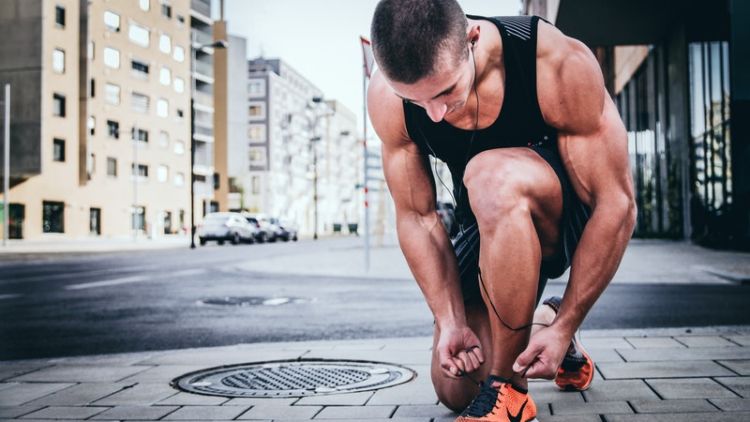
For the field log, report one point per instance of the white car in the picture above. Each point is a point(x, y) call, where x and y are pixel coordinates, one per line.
point(226, 226)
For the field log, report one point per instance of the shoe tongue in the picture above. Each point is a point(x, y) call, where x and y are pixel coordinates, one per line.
point(495, 381)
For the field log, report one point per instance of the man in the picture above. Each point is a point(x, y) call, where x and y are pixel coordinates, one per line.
point(539, 160)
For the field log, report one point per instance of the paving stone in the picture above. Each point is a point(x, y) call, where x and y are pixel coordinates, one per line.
point(689, 388)
point(163, 373)
point(81, 394)
point(139, 395)
point(400, 357)
point(210, 357)
point(20, 393)
point(705, 341)
point(13, 369)
point(654, 342)
point(281, 412)
point(568, 408)
point(187, 399)
point(15, 411)
point(547, 392)
point(591, 343)
point(740, 339)
point(698, 353)
point(741, 366)
point(255, 401)
point(407, 394)
point(356, 412)
point(136, 412)
point(634, 370)
point(681, 417)
point(572, 418)
point(606, 390)
point(732, 405)
point(205, 413)
point(67, 412)
point(672, 406)
point(740, 385)
point(81, 373)
point(353, 399)
point(426, 410)
point(604, 355)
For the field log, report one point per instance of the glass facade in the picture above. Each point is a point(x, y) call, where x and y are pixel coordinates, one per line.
point(710, 140)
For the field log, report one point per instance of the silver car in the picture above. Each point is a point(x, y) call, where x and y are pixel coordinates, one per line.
point(226, 226)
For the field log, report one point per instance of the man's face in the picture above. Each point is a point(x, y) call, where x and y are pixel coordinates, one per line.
point(443, 93)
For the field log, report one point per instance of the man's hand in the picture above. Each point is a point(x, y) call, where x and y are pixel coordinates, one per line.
point(544, 354)
point(459, 351)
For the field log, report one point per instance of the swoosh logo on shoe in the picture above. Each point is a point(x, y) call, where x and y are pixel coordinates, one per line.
point(516, 418)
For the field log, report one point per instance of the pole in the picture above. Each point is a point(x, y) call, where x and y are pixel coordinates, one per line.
point(315, 191)
point(192, 177)
point(6, 167)
point(364, 143)
point(135, 182)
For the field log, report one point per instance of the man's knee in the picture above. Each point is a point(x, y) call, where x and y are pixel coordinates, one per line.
point(497, 190)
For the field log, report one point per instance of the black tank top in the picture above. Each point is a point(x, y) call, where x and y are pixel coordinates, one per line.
point(520, 123)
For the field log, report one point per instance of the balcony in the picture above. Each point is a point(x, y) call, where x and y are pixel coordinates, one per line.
point(198, 37)
point(203, 68)
point(201, 6)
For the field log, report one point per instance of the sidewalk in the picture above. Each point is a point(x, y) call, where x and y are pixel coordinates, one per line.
point(643, 375)
point(645, 261)
point(54, 245)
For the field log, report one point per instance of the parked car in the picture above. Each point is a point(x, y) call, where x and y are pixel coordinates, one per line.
point(288, 230)
point(226, 226)
point(448, 216)
point(267, 232)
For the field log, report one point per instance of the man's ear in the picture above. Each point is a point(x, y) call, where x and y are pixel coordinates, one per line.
point(472, 35)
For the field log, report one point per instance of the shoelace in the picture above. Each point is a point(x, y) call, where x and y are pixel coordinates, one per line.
point(485, 402)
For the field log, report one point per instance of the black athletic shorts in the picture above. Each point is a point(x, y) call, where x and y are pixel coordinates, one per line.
point(574, 218)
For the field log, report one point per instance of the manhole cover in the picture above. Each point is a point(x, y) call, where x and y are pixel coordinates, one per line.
point(296, 378)
point(252, 301)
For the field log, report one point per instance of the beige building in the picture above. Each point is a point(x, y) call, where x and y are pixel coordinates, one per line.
point(100, 116)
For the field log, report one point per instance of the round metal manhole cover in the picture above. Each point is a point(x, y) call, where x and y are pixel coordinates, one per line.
point(296, 378)
point(242, 301)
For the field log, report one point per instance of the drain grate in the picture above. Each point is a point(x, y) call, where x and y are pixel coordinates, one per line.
point(296, 378)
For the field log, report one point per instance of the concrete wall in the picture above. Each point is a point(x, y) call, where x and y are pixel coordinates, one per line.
point(237, 95)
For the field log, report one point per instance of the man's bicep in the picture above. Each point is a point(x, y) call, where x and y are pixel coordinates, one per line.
point(409, 179)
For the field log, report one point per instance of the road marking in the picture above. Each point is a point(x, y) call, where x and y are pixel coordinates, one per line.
point(106, 283)
point(133, 279)
point(9, 296)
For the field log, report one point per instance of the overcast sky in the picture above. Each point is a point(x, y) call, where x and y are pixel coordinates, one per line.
point(320, 38)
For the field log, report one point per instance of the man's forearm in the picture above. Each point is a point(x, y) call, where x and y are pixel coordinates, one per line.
point(595, 262)
point(430, 256)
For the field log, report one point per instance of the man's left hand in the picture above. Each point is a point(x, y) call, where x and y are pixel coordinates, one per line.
point(544, 354)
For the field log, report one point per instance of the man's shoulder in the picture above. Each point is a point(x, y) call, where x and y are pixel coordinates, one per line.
point(386, 111)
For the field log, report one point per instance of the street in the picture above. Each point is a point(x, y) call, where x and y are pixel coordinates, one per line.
point(79, 304)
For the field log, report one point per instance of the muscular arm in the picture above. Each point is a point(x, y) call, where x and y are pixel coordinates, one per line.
point(423, 240)
point(593, 146)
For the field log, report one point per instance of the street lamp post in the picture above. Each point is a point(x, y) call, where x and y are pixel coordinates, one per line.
point(218, 45)
point(313, 140)
point(6, 166)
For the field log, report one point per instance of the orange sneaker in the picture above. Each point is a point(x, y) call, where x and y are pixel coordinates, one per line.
point(500, 401)
point(577, 369)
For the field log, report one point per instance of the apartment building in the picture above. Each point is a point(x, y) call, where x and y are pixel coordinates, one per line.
point(100, 116)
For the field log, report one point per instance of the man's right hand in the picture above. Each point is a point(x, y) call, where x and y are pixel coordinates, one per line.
point(459, 351)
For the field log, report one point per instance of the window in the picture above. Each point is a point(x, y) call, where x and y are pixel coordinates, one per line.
point(179, 54)
point(255, 182)
point(179, 85)
point(112, 21)
point(257, 133)
point(58, 150)
point(144, 4)
point(60, 16)
point(140, 68)
point(58, 105)
point(179, 147)
point(52, 217)
point(162, 173)
point(142, 171)
point(111, 167)
point(91, 125)
point(95, 221)
point(180, 113)
point(257, 156)
point(164, 139)
point(92, 88)
point(113, 129)
point(140, 135)
point(139, 102)
point(139, 218)
point(162, 107)
point(166, 10)
point(112, 57)
point(138, 34)
point(112, 93)
point(179, 179)
point(58, 60)
point(257, 110)
point(165, 44)
point(180, 19)
point(165, 76)
point(256, 88)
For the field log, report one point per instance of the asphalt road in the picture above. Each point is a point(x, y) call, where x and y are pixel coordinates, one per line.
point(78, 304)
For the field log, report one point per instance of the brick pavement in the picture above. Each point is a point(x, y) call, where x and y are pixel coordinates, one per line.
point(642, 375)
